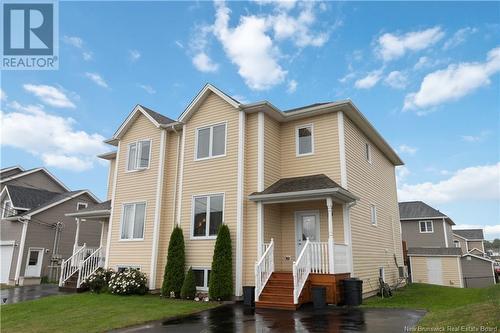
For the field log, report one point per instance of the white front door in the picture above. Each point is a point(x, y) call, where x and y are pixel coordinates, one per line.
point(6, 251)
point(34, 264)
point(306, 226)
point(434, 271)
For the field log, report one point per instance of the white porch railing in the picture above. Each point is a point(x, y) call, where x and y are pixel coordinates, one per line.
point(319, 257)
point(341, 257)
point(90, 265)
point(264, 268)
point(70, 265)
point(301, 269)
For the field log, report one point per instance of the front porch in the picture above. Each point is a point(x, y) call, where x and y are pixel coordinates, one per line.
point(303, 240)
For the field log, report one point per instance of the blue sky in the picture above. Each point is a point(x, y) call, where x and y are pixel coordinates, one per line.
point(425, 74)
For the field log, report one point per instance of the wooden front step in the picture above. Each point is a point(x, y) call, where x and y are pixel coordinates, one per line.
point(278, 292)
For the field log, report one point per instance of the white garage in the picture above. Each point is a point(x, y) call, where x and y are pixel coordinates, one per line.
point(6, 252)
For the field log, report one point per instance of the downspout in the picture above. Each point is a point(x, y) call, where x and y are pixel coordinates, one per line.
point(20, 253)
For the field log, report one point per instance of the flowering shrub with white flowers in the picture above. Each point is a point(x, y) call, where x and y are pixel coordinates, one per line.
point(130, 281)
point(98, 282)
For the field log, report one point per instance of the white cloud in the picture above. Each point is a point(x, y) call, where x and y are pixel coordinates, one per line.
point(50, 95)
point(134, 55)
point(396, 80)
point(459, 37)
point(369, 81)
point(49, 137)
point(281, 4)
point(405, 149)
point(179, 44)
point(97, 79)
point(402, 172)
point(464, 185)
point(78, 43)
point(150, 90)
point(454, 82)
point(490, 231)
point(292, 86)
point(3, 95)
point(476, 138)
point(240, 98)
point(204, 63)
point(392, 46)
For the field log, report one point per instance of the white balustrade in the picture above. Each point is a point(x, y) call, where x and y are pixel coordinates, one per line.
point(264, 268)
point(90, 265)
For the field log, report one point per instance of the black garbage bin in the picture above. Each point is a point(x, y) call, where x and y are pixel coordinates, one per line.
point(319, 297)
point(249, 296)
point(353, 291)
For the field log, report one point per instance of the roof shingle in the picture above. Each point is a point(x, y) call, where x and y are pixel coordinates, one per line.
point(29, 198)
point(443, 251)
point(304, 183)
point(419, 209)
point(470, 233)
point(161, 119)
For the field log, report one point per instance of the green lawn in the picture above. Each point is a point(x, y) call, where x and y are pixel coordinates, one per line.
point(91, 313)
point(5, 286)
point(447, 306)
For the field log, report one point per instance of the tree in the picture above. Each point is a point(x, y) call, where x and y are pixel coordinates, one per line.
point(174, 269)
point(220, 286)
point(189, 286)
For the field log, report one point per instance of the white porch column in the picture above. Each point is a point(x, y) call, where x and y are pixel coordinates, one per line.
point(260, 229)
point(77, 234)
point(260, 183)
point(331, 261)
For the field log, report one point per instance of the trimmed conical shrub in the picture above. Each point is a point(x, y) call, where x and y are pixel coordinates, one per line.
point(174, 269)
point(189, 286)
point(221, 277)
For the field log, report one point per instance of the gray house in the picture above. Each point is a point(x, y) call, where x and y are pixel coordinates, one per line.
point(35, 232)
point(469, 240)
point(435, 256)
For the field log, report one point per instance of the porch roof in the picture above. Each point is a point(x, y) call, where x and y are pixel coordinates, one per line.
point(100, 210)
point(303, 188)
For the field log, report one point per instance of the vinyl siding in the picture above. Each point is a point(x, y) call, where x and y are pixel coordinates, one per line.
point(477, 273)
point(111, 177)
point(449, 267)
point(217, 175)
point(475, 244)
point(414, 238)
point(373, 183)
point(463, 245)
point(38, 180)
point(138, 186)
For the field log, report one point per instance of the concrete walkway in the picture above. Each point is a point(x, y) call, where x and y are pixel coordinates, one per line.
point(28, 293)
point(236, 318)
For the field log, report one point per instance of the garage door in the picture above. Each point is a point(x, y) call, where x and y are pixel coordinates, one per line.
point(434, 271)
point(6, 251)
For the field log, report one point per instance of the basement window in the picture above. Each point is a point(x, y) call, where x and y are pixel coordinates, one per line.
point(201, 278)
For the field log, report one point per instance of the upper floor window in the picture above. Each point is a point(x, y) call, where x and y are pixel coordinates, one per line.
point(139, 154)
point(456, 243)
point(304, 141)
point(132, 225)
point(368, 152)
point(373, 214)
point(211, 141)
point(8, 210)
point(81, 205)
point(426, 226)
point(208, 214)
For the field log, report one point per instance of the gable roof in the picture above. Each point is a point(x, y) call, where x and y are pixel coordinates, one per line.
point(28, 198)
point(469, 233)
point(31, 171)
point(417, 210)
point(10, 171)
point(157, 119)
point(57, 200)
point(200, 97)
point(102, 209)
point(437, 251)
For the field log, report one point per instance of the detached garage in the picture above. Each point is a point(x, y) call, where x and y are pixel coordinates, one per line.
point(439, 266)
point(477, 271)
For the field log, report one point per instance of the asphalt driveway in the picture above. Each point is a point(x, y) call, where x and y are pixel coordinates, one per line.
point(28, 293)
point(236, 318)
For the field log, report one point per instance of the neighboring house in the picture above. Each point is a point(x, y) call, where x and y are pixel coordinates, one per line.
point(469, 240)
point(434, 255)
point(35, 233)
point(311, 189)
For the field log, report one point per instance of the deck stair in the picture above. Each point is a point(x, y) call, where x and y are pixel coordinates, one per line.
point(278, 292)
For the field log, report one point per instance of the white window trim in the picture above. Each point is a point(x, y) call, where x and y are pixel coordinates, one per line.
point(368, 152)
point(426, 231)
point(457, 242)
point(297, 128)
point(372, 205)
point(137, 154)
point(205, 276)
point(4, 209)
point(83, 204)
point(143, 226)
point(207, 227)
point(211, 127)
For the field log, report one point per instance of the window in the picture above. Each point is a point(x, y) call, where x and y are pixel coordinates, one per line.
point(81, 205)
point(8, 210)
point(201, 278)
point(122, 268)
point(373, 214)
point(456, 243)
point(132, 226)
point(368, 152)
point(304, 140)
point(139, 155)
point(33, 257)
point(208, 214)
point(426, 226)
point(211, 141)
